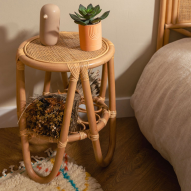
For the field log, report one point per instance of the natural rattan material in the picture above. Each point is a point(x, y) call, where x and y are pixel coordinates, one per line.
point(184, 11)
point(62, 145)
point(66, 50)
point(83, 134)
point(20, 65)
point(103, 120)
point(57, 59)
point(84, 71)
point(112, 114)
point(93, 137)
point(20, 52)
point(23, 132)
point(75, 70)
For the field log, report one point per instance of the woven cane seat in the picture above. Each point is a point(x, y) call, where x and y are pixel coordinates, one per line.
point(184, 11)
point(66, 50)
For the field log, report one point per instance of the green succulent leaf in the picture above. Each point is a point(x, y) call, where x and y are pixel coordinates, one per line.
point(87, 15)
point(96, 20)
point(79, 16)
point(74, 17)
point(89, 7)
point(96, 13)
point(87, 21)
point(80, 23)
point(105, 15)
point(96, 9)
point(83, 13)
point(82, 8)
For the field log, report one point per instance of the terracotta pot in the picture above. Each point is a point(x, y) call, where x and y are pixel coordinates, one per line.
point(90, 37)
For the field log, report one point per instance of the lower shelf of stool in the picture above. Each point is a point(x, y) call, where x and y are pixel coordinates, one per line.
point(41, 139)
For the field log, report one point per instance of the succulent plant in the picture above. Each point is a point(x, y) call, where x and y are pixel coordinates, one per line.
point(87, 15)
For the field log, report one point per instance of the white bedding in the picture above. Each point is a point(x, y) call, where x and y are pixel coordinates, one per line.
point(162, 105)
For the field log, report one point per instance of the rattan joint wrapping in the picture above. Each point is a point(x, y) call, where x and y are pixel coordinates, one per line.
point(103, 120)
point(62, 145)
point(75, 70)
point(83, 135)
point(93, 137)
point(84, 71)
point(112, 114)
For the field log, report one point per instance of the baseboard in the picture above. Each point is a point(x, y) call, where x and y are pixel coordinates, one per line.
point(8, 115)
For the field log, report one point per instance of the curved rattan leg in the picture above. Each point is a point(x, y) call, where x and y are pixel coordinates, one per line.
point(47, 82)
point(64, 79)
point(24, 138)
point(103, 81)
point(92, 121)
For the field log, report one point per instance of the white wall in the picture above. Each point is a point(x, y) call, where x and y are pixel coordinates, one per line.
point(131, 26)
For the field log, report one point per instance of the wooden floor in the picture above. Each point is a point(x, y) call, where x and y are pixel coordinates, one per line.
point(136, 166)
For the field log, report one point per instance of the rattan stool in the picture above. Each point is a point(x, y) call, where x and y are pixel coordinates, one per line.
point(66, 56)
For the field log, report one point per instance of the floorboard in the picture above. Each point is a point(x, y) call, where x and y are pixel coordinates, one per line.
point(136, 166)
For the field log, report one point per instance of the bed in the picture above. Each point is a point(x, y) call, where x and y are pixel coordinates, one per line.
point(162, 99)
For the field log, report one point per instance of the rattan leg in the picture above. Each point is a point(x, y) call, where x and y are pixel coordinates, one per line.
point(24, 138)
point(112, 108)
point(47, 82)
point(103, 81)
point(160, 38)
point(92, 121)
point(168, 19)
point(21, 96)
point(64, 79)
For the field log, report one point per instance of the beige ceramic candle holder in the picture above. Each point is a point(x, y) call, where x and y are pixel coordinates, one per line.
point(49, 24)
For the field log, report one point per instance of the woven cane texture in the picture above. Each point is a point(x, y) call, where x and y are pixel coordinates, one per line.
point(184, 11)
point(84, 71)
point(75, 70)
point(66, 50)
